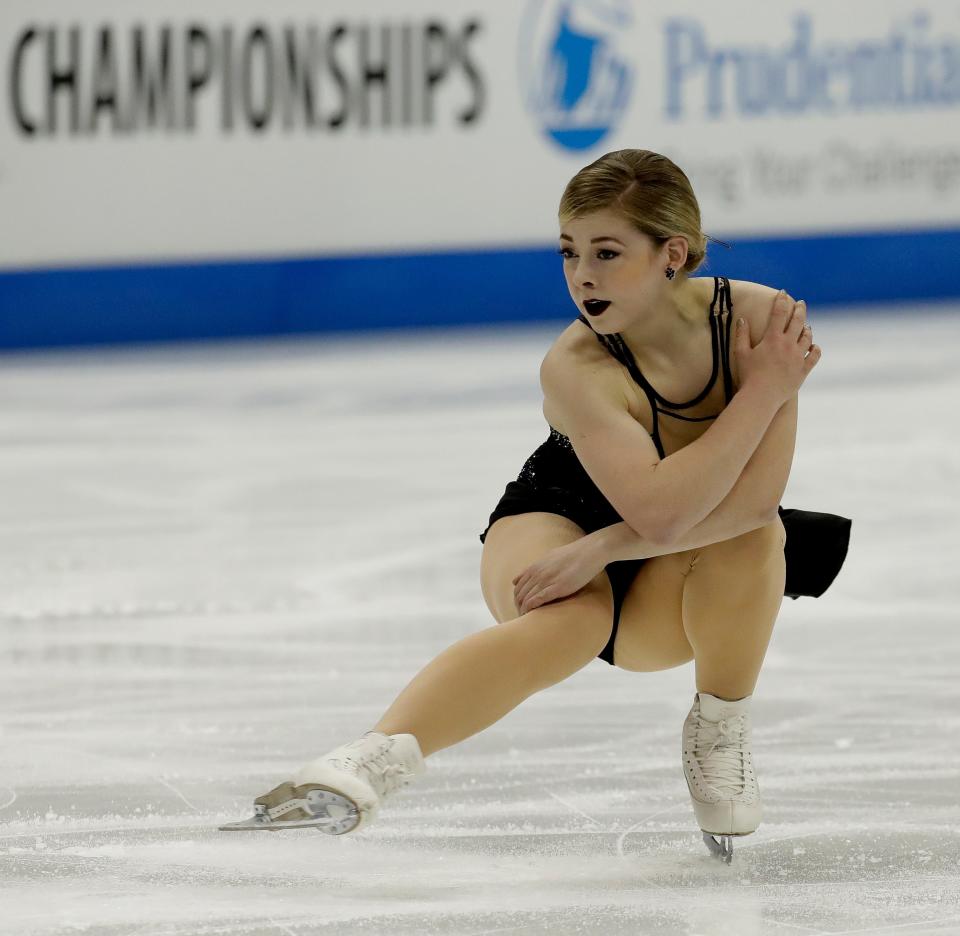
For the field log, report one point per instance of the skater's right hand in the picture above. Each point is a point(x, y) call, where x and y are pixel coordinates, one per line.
point(784, 355)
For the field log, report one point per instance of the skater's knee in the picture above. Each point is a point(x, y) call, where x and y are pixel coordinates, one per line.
point(584, 619)
point(753, 548)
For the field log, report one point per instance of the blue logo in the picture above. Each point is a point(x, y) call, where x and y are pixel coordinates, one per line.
point(575, 80)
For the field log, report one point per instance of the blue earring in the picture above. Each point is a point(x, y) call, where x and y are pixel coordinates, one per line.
point(671, 273)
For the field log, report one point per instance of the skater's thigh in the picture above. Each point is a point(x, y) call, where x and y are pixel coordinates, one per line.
point(513, 543)
point(650, 636)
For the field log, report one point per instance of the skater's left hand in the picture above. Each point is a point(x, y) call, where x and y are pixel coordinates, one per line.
point(559, 573)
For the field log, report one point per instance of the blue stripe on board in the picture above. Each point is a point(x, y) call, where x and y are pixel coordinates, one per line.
point(171, 302)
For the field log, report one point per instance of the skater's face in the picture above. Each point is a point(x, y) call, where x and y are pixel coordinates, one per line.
point(606, 257)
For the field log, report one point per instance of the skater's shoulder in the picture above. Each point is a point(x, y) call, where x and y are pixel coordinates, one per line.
point(753, 302)
point(577, 347)
point(578, 373)
point(576, 357)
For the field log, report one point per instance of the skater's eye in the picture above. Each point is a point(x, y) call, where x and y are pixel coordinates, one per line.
point(564, 251)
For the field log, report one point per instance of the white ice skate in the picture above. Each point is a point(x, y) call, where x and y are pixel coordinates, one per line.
point(341, 791)
point(718, 765)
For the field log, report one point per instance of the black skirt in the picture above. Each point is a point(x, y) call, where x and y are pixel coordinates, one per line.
point(553, 480)
point(816, 547)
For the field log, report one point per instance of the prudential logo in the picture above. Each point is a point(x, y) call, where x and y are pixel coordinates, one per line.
point(575, 80)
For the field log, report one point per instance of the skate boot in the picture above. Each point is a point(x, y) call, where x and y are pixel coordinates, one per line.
point(341, 791)
point(718, 765)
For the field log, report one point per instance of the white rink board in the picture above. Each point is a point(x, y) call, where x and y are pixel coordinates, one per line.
point(789, 119)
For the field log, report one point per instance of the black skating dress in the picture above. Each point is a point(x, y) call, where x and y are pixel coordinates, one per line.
point(553, 480)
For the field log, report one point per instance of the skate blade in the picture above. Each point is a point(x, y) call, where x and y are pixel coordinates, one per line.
point(329, 812)
point(722, 849)
point(260, 823)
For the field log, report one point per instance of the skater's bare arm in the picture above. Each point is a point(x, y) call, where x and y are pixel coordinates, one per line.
point(661, 499)
point(761, 482)
point(657, 498)
point(565, 569)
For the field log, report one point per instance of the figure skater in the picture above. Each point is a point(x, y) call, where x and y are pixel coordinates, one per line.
point(643, 531)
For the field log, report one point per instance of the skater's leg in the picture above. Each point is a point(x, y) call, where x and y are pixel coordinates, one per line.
point(731, 597)
point(482, 677)
point(716, 604)
point(650, 636)
point(466, 688)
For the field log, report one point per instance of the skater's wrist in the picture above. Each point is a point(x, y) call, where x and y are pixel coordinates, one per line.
point(616, 542)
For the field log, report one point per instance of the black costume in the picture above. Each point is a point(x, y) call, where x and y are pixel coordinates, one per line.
point(553, 480)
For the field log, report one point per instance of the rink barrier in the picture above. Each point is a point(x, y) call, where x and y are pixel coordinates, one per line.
point(254, 297)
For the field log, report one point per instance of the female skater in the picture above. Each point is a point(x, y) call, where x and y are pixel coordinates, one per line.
point(643, 531)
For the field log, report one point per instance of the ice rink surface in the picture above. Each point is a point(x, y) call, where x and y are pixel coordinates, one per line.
point(218, 562)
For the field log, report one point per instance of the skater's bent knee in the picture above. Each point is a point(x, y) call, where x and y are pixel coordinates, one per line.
point(764, 541)
point(586, 615)
point(595, 599)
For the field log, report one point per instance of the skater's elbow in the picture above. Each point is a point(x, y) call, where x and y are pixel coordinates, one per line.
point(769, 515)
point(668, 534)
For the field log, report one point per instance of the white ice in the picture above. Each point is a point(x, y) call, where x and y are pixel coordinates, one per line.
point(223, 560)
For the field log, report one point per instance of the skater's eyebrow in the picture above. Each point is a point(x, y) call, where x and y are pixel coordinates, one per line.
point(594, 240)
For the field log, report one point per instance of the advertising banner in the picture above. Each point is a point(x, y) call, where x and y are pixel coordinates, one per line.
point(137, 133)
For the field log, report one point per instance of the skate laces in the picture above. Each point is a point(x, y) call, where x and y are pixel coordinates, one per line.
point(721, 749)
point(383, 776)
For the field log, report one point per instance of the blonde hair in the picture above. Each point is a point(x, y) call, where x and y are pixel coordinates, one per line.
point(649, 190)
